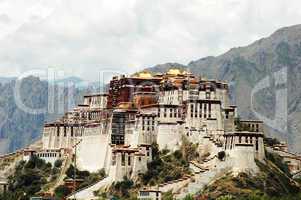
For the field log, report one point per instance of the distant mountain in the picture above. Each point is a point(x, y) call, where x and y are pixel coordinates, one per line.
point(78, 83)
point(270, 69)
point(20, 121)
point(4, 80)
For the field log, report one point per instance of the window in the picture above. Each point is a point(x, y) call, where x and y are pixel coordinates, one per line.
point(159, 112)
point(129, 160)
point(71, 131)
point(205, 110)
point(123, 159)
point(257, 144)
point(170, 112)
point(175, 113)
point(209, 110)
point(200, 113)
point(165, 112)
point(58, 131)
point(207, 95)
point(65, 131)
point(191, 110)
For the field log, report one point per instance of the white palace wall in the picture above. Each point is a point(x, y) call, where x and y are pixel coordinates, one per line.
point(93, 149)
point(243, 159)
point(169, 136)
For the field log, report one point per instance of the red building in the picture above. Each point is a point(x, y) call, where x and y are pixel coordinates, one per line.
point(123, 89)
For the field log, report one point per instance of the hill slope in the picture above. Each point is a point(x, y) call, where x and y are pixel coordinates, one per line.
point(245, 67)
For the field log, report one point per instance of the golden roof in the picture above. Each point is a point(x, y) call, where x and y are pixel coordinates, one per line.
point(174, 72)
point(144, 75)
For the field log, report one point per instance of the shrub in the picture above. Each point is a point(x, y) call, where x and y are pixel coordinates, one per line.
point(188, 197)
point(167, 196)
point(122, 188)
point(226, 197)
point(58, 163)
point(61, 191)
point(221, 155)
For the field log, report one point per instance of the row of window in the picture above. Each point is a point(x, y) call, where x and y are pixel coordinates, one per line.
point(78, 132)
point(124, 162)
point(247, 140)
point(47, 155)
point(148, 123)
point(171, 112)
point(199, 110)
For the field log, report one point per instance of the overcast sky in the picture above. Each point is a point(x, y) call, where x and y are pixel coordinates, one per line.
point(84, 37)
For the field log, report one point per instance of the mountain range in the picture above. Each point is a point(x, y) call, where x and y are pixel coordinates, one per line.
point(264, 78)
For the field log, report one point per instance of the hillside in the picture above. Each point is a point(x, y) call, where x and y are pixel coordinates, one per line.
point(272, 182)
point(19, 128)
point(245, 67)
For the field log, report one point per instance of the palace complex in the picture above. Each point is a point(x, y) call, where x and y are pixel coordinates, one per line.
point(114, 131)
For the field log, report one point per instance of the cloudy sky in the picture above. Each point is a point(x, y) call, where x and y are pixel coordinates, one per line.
point(82, 38)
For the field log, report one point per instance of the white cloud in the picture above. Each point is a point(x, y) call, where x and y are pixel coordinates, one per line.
point(84, 37)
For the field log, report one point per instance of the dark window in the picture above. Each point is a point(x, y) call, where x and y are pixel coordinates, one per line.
point(65, 131)
point(58, 131)
point(170, 112)
point(200, 110)
point(123, 159)
point(129, 160)
point(256, 144)
point(71, 131)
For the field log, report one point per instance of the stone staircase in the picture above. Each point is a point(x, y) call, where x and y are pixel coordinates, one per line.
point(204, 173)
point(87, 193)
point(65, 165)
point(202, 177)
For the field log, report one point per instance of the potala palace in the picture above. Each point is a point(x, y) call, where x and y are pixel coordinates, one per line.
point(114, 131)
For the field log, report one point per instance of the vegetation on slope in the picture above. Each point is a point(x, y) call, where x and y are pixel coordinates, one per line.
point(29, 178)
point(273, 182)
point(168, 166)
point(86, 177)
